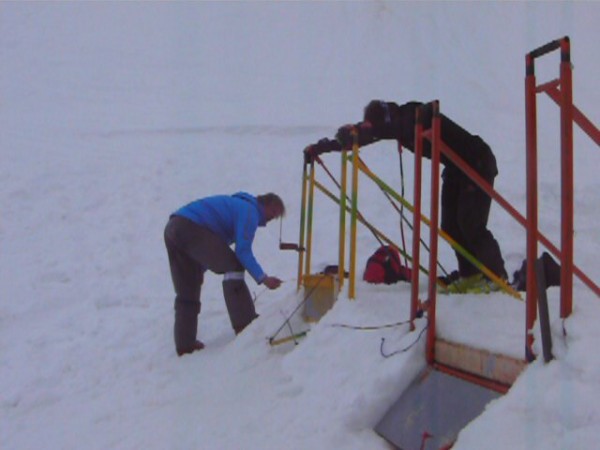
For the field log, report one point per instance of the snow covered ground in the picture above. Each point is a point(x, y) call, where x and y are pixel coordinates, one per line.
point(113, 114)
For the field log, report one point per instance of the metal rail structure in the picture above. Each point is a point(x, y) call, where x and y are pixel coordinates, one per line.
point(560, 91)
point(348, 205)
point(569, 114)
point(494, 372)
point(444, 356)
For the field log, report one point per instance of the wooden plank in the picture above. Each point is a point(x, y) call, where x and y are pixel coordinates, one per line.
point(483, 363)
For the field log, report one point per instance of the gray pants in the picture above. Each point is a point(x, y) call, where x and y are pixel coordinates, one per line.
point(192, 250)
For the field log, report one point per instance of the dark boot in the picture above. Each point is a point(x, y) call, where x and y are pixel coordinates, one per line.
point(239, 304)
point(186, 326)
point(197, 346)
point(238, 330)
point(551, 272)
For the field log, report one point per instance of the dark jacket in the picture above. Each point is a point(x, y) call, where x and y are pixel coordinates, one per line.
point(392, 121)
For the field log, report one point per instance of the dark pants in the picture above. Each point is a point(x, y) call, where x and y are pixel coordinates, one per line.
point(192, 250)
point(465, 212)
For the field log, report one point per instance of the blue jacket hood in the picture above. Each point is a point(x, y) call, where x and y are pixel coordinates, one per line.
point(262, 221)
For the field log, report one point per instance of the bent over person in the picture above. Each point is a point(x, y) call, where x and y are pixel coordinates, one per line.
point(198, 238)
point(465, 206)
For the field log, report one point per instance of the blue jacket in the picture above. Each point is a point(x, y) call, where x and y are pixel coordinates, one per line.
point(235, 219)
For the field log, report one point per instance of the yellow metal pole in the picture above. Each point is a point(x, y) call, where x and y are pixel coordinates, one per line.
point(311, 194)
point(455, 245)
point(302, 227)
point(370, 226)
point(355, 161)
point(342, 244)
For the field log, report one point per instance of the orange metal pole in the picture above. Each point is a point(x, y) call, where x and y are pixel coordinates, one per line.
point(578, 117)
point(485, 186)
point(471, 378)
point(532, 206)
point(416, 237)
point(433, 230)
point(566, 120)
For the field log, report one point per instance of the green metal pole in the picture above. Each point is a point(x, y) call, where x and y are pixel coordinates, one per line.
point(362, 220)
point(342, 202)
point(302, 226)
point(455, 245)
point(311, 192)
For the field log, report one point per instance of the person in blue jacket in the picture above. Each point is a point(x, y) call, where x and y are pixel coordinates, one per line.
point(198, 237)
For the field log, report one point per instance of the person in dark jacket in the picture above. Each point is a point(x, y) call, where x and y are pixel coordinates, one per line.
point(464, 206)
point(198, 238)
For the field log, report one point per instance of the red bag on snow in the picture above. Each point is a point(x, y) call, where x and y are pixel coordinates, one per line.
point(384, 266)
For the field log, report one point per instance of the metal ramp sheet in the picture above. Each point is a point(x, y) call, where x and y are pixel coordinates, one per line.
point(432, 410)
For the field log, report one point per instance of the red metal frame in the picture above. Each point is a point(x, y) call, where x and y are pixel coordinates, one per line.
point(471, 378)
point(433, 229)
point(487, 188)
point(416, 247)
point(578, 117)
point(566, 144)
point(532, 207)
point(569, 114)
point(561, 91)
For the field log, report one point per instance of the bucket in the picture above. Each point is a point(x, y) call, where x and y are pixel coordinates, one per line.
point(320, 291)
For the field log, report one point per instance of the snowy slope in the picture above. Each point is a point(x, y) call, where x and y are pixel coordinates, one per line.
point(114, 114)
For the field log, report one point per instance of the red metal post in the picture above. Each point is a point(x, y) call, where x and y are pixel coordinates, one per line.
point(578, 117)
point(485, 186)
point(471, 378)
point(416, 236)
point(433, 229)
point(566, 126)
point(532, 206)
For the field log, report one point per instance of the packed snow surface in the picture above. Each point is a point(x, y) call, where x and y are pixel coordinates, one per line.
point(114, 114)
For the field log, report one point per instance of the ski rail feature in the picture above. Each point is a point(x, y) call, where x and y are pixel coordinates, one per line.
point(560, 91)
point(564, 98)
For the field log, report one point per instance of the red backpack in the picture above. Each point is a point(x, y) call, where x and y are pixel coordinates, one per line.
point(384, 266)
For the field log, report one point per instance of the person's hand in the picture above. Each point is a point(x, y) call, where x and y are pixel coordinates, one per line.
point(310, 153)
point(272, 282)
point(324, 145)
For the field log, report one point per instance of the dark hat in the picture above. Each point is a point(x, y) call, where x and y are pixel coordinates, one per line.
point(378, 113)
